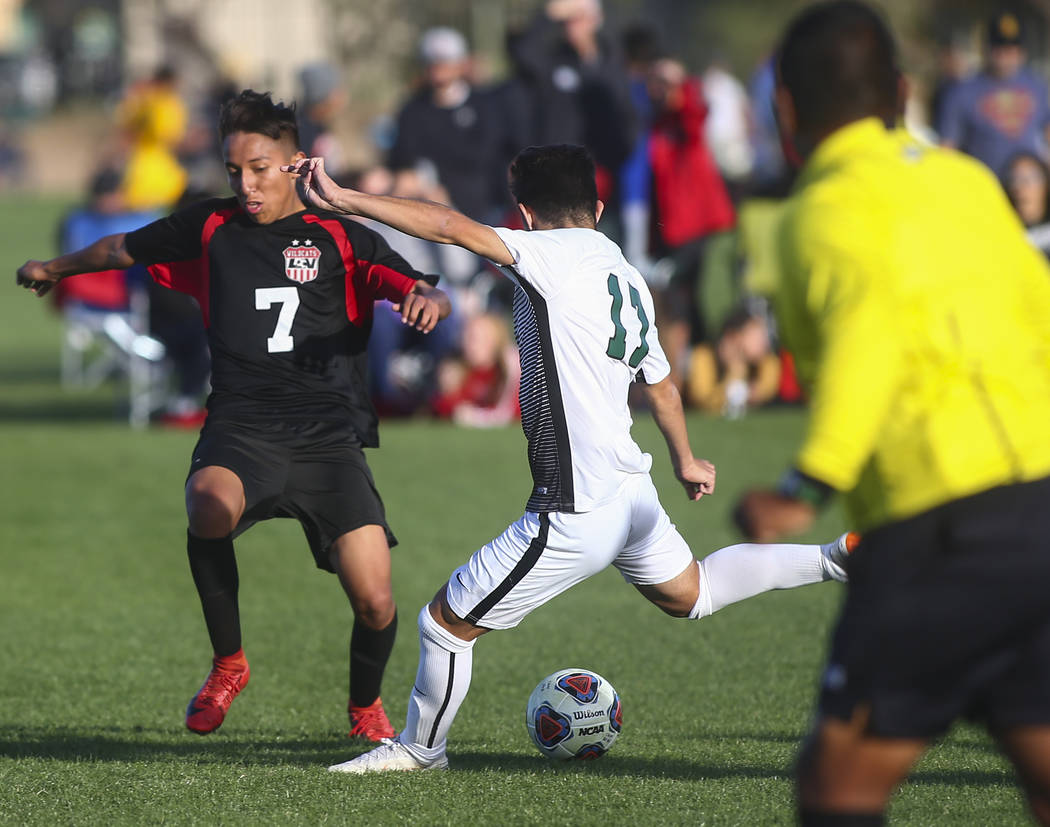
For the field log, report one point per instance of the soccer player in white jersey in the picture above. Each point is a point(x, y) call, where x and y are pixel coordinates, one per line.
point(583, 319)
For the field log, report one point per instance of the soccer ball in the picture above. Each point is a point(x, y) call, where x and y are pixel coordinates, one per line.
point(574, 713)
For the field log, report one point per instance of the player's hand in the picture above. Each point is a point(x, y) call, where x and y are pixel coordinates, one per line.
point(419, 311)
point(766, 516)
point(316, 186)
point(33, 276)
point(698, 478)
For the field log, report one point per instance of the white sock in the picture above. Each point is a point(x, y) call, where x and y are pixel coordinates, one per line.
point(442, 681)
point(833, 552)
point(735, 573)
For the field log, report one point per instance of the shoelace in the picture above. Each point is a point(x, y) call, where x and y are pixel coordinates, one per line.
point(366, 718)
point(220, 687)
point(387, 749)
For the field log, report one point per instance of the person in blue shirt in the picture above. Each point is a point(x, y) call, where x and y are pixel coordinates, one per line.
point(1003, 109)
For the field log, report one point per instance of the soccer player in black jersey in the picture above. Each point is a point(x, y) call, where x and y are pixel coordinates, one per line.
point(287, 293)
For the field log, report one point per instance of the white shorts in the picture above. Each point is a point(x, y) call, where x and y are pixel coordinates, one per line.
point(541, 555)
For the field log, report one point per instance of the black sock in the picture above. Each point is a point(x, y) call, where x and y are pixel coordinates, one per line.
point(369, 651)
point(817, 818)
point(214, 568)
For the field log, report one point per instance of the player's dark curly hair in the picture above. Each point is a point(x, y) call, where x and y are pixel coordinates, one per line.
point(556, 182)
point(256, 112)
point(839, 62)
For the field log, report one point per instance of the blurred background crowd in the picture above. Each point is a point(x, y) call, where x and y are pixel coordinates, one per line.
point(117, 100)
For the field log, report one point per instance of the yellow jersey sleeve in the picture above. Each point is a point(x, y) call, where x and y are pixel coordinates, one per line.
point(855, 350)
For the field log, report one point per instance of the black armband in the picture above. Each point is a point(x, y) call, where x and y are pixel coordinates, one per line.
point(430, 278)
point(799, 486)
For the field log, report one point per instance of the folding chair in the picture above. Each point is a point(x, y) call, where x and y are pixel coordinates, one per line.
point(100, 342)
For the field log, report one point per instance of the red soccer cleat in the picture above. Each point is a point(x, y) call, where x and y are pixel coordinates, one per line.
point(209, 706)
point(851, 541)
point(187, 420)
point(370, 722)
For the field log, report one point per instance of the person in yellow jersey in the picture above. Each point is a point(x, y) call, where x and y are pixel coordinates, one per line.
point(919, 317)
point(154, 118)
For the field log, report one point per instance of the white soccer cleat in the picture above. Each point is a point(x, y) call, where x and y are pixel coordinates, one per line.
point(391, 756)
point(836, 553)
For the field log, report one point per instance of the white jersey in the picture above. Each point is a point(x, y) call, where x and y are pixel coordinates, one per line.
point(583, 318)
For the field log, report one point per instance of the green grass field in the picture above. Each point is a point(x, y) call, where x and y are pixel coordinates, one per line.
point(103, 644)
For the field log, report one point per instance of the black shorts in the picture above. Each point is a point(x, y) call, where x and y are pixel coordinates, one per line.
point(314, 472)
point(946, 616)
point(682, 294)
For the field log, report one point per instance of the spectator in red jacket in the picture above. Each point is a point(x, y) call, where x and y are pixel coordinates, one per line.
point(690, 203)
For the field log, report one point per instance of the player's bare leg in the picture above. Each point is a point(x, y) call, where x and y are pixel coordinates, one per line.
point(214, 502)
point(1029, 750)
point(845, 771)
point(361, 559)
point(214, 505)
point(737, 572)
point(443, 615)
point(677, 596)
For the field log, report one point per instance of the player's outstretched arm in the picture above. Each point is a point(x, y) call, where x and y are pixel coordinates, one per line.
point(424, 307)
point(696, 475)
point(423, 219)
point(108, 253)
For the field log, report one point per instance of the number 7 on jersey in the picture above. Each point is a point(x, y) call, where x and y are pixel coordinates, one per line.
point(288, 298)
point(618, 342)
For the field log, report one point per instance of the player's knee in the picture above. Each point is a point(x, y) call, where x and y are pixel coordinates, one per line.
point(676, 609)
point(441, 609)
point(678, 603)
point(375, 609)
point(445, 616)
point(678, 596)
point(212, 511)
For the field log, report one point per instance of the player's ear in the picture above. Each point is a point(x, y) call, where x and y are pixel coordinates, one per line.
point(526, 216)
point(902, 95)
point(599, 208)
point(787, 124)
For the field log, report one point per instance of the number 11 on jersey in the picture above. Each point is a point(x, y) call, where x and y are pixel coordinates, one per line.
point(618, 342)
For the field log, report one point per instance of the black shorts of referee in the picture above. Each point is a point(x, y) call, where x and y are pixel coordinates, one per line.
point(946, 617)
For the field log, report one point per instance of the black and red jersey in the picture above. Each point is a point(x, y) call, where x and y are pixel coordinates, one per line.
point(288, 306)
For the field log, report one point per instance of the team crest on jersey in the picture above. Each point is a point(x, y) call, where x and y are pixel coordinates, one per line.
point(302, 261)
